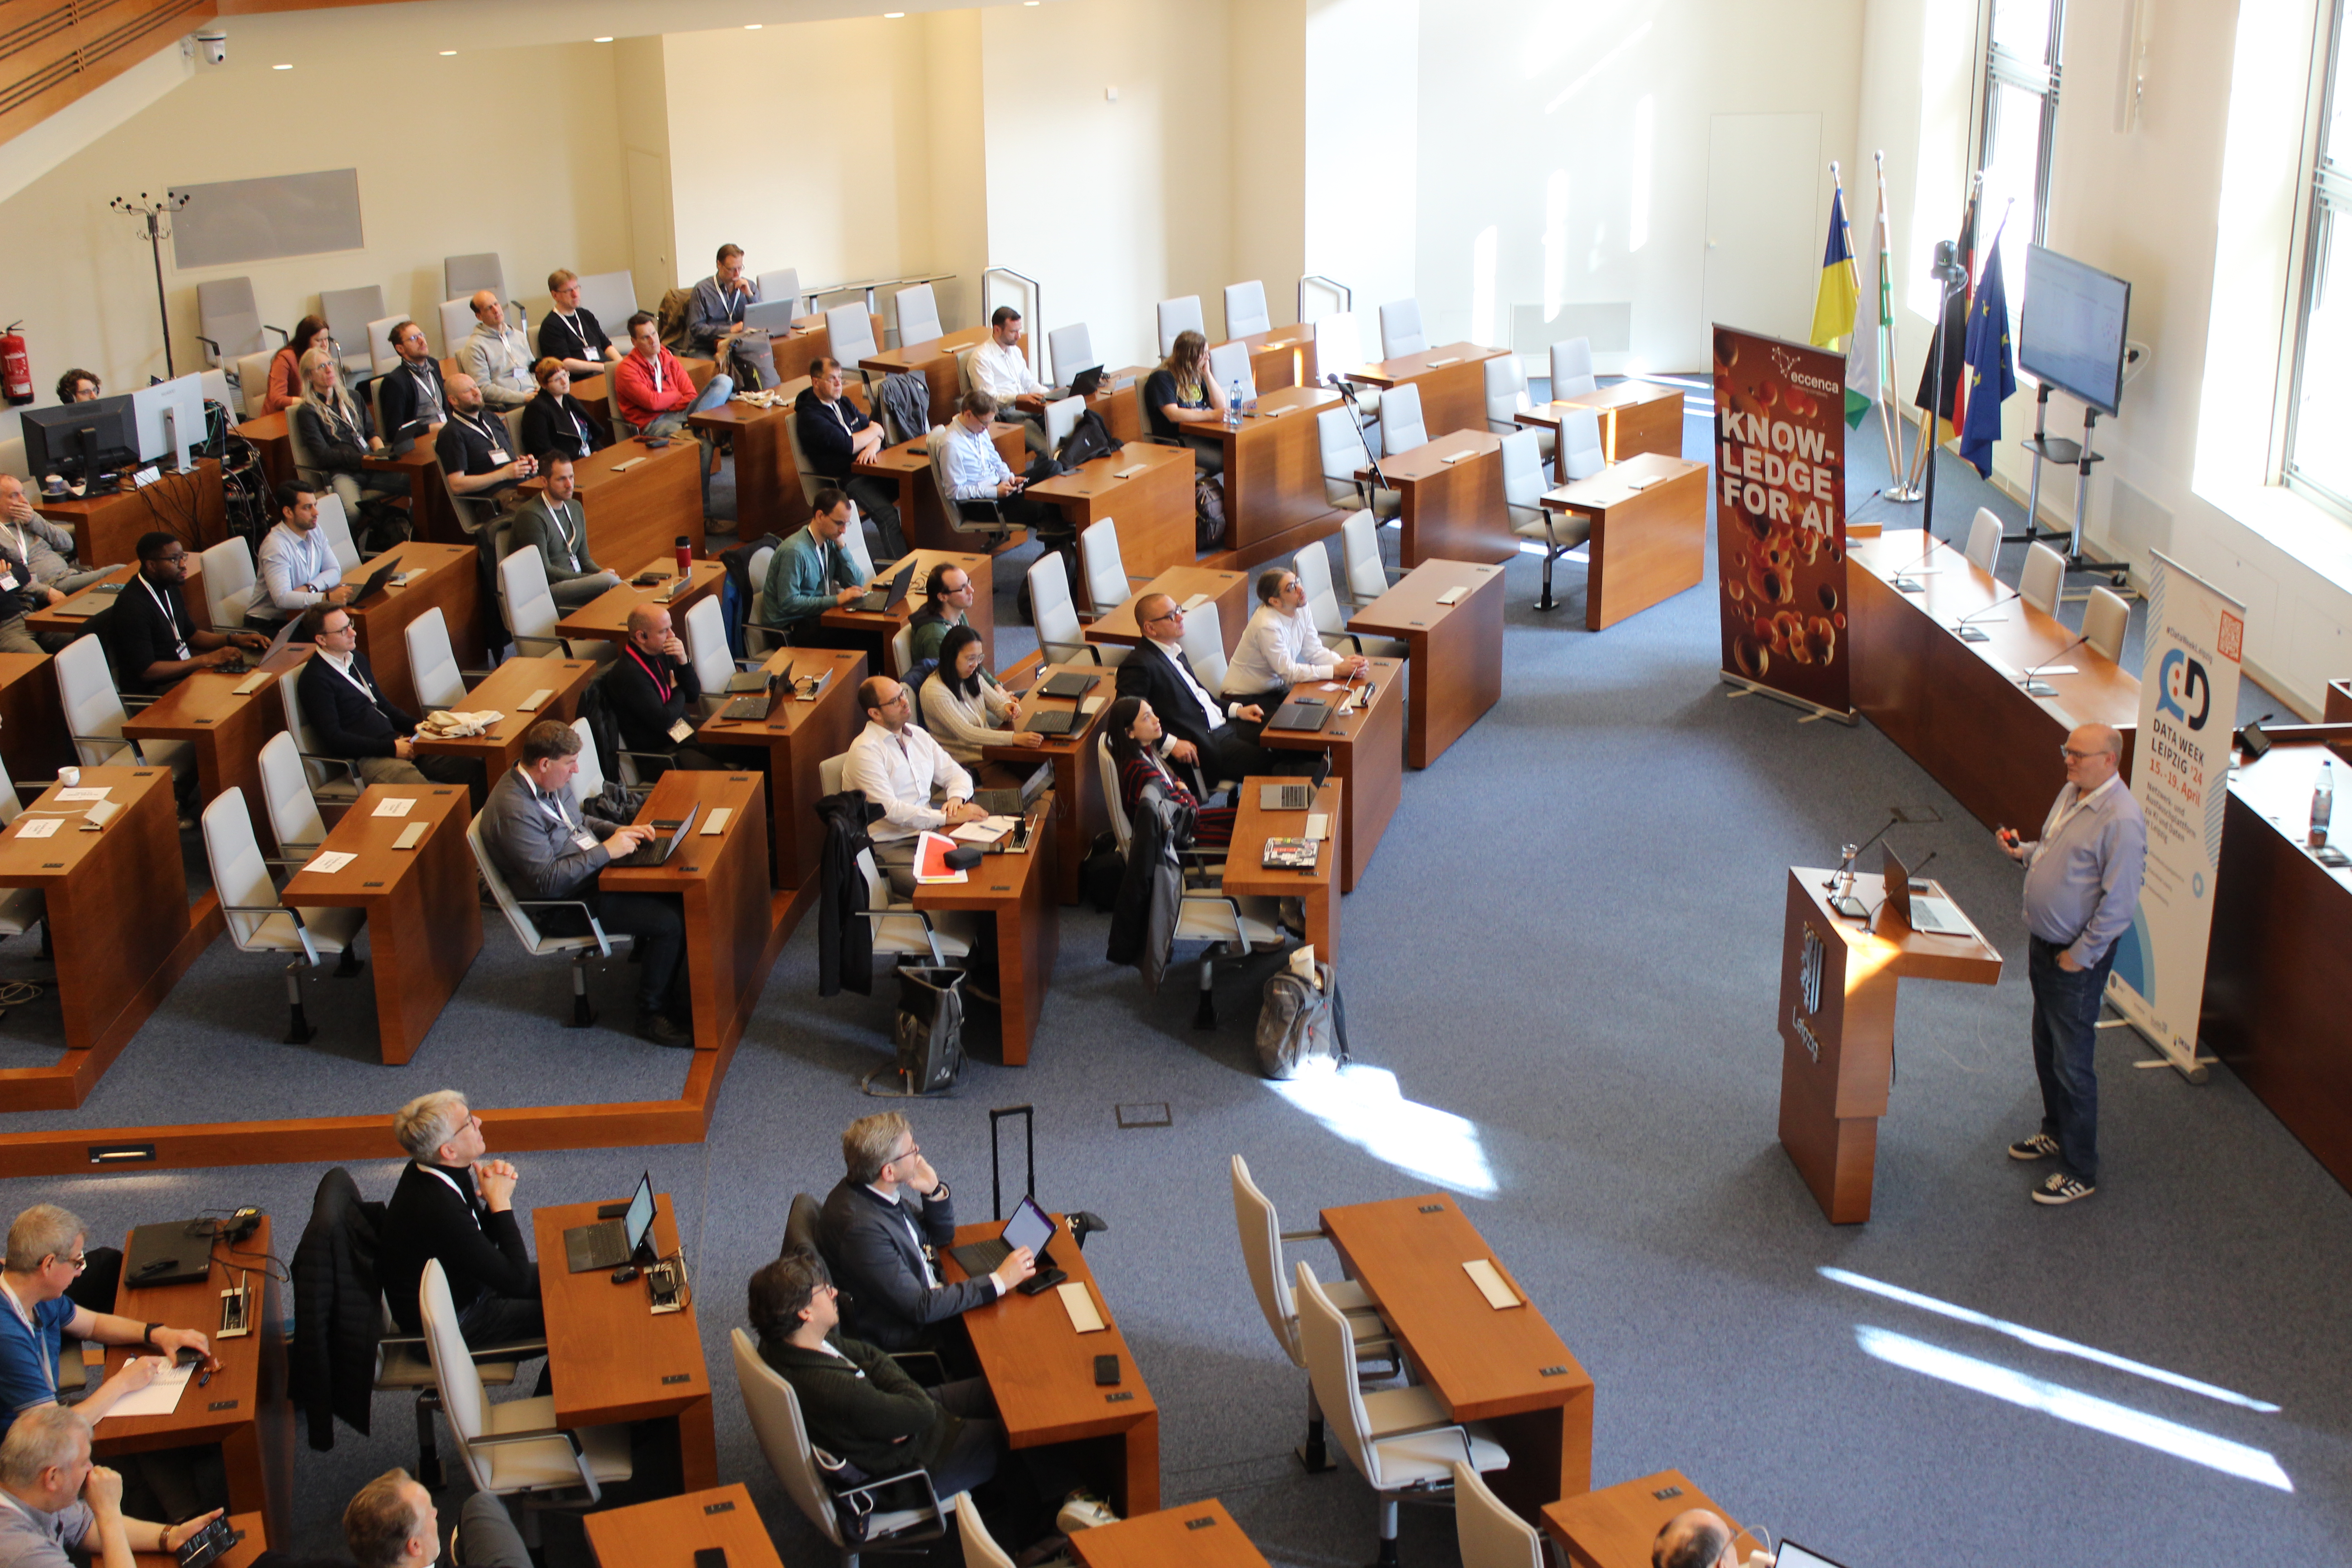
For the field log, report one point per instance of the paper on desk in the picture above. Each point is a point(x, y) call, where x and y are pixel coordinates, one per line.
point(395, 806)
point(987, 830)
point(1081, 1307)
point(160, 1397)
point(2042, 669)
point(331, 860)
point(1090, 706)
point(86, 792)
point(38, 827)
point(1491, 1284)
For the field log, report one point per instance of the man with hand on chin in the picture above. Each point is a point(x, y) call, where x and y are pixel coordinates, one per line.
point(455, 1206)
point(45, 1255)
point(53, 1501)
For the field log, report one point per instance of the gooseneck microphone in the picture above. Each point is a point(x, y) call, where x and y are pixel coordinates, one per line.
point(2034, 688)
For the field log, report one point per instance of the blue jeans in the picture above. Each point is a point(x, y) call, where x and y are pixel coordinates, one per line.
point(720, 389)
point(2065, 1037)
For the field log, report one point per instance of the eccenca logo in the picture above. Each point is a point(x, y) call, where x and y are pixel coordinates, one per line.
point(2182, 680)
point(1786, 364)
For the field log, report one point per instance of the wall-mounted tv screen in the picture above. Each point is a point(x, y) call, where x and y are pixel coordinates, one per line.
point(2071, 335)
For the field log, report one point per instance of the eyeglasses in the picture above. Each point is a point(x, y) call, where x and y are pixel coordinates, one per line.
point(1174, 614)
point(908, 1152)
point(78, 1262)
point(2072, 755)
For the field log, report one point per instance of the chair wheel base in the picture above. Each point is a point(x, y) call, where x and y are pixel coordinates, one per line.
point(1204, 1015)
point(582, 1014)
point(299, 1031)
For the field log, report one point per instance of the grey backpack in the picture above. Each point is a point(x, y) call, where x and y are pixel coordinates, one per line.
point(1297, 1024)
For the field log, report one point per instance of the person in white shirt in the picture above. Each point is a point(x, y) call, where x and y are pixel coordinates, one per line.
point(978, 481)
point(297, 564)
point(899, 766)
point(498, 356)
point(1000, 369)
point(966, 710)
point(46, 549)
point(1280, 647)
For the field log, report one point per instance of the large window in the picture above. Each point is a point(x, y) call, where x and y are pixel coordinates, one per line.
point(2021, 110)
point(2318, 446)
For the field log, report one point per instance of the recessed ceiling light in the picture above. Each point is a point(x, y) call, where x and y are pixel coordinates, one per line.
point(753, 27)
point(287, 68)
point(892, 15)
point(447, 52)
point(599, 40)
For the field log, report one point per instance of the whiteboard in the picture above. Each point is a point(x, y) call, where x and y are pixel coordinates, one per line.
point(261, 220)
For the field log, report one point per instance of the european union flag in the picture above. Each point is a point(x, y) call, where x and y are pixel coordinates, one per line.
point(1993, 375)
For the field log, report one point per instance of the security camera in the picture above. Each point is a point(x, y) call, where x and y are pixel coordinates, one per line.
point(216, 47)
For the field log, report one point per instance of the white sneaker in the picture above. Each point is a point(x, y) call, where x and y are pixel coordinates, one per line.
point(1083, 1511)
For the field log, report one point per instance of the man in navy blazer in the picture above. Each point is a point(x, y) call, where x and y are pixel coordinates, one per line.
point(1203, 730)
point(350, 717)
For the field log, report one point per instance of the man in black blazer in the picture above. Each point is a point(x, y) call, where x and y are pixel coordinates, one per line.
point(1205, 730)
point(412, 389)
point(457, 1207)
point(350, 716)
point(875, 1225)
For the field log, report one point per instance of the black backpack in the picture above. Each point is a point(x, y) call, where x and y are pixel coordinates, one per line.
point(1089, 438)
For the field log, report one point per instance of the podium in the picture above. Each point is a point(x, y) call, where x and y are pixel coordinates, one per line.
point(1837, 1027)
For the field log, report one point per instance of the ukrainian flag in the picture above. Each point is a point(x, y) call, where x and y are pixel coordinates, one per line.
point(1834, 306)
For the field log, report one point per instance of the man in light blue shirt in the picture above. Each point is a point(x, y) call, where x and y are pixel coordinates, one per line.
point(2082, 886)
point(981, 486)
point(298, 563)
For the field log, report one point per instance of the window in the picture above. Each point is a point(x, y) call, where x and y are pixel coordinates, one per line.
point(2318, 455)
point(2021, 110)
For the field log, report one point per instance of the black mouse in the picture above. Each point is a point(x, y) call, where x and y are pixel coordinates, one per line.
point(624, 1273)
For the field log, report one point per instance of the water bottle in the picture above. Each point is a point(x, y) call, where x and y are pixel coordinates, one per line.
point(1234, 404)
point(2323, 801)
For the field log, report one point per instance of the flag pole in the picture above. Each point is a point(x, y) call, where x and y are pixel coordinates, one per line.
point(1929, 434)
point(1890, 422)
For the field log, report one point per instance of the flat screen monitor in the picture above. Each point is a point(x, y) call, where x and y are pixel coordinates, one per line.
point(162, 439)
point(79, 440)
point(2071, 332)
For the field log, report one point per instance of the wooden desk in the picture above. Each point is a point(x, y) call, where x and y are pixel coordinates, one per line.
point(2338, 709)
point(1019, 892)
point(1246, 872)
point(1229, 591)
point(881, 625)
point(608, 1358)
point(607, 615)
point(1613, 1528)
point(798, 736)
point(226, 731)
point(1957, 707)
point(638, 512)
point(1454, 653)
point(906, 469)
point(1507, 1368)
point(723, 882)
point(100, 597)
point(1837, 1029)
point(432, 516)
point(452, 583)
point(34, 741)
point(1366, 751)
point(667, 1532)
point(1275, 500)
point(1153, 508)
point(499, 747)
point(241, 1556)
point(935, 359)
point(1451, 378)
point(1450, 510)
point(1121, 406)
point(1280, 357)
point(119, 919)
point(768, 496)
point(244, 1410)
point(1042, 1372)
point(1648, 543)
point(1195, 1535)
point(424, 918)
point(107, 528)
point(1636, 417)
point(272, 445)
point(1079, 810)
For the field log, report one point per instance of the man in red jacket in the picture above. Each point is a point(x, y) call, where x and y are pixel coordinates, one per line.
point(656, 394)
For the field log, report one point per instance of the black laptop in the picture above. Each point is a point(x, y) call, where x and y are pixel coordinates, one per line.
point(884, 595)
point(759, 705)
point(654, 851)
point(744, 680)
point(1070, 683)
point(1051, 721)
point(1301, 713)
point(1030, 1227)
point(378, 580)
point(1087, 381)
point(176, 1252)
point(609, 1243)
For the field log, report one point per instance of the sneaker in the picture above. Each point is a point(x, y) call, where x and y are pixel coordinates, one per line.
point(662, 1030)
point(1084, 1511)
point(2041, 1146)
point(2062, 1188)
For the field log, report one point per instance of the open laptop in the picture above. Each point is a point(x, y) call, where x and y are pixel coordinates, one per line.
point(242, 663)
point(1923, 912)
point(1030, 1227)
point(1051, 721)
point(1087, 381)
point(657, 851)
point(1301, 713)
point(1793, 1555)
point(759, 705)
point(774, 315)
point(1069, 683)
point(609, 1243)
point(744, 680)
point(1012, 802)
point(884, 595)
point(378, 580)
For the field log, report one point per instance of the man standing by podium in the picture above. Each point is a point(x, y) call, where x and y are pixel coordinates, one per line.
point(2082, 884)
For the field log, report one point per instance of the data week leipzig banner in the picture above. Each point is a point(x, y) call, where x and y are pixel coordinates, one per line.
point(1780, 509)
point(2180, 775)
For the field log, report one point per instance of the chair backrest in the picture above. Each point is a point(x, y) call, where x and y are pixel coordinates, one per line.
point(1073, 349)
point(775, 1413)
point(10, 806)
point(523, 597)
point(240, 875)
point(1050, 612)
point(512, 420)
point(1343, 452)
point(1400, 330)
point(850, 333)
point(902, 659)
point(1061, 418)
point(801, 1218)
point(853, 547)
point(705, 635)
point(828, 772)
point(1401, 427)
point(1106, 572)
point(289, 693)
point(1330, 1350)
point(1984, 539)
point(462, 1401)
point(1359, 543)
point(432, 662)
point(1582, 454)
point(1260, 1233)
point(1488, 1534)
point(760, 561)
point(1571, 367)
point(1230, 363)
point(463, 276)
point(2105, 620)
point(1178, 316)
point(226, 314)
point(12, 460)
point(229, 584)
point(348, 314)
point(781, 286)
point(1523, 468)
point(589, 781)
point(518, 919)
point(253, 380)
point(382, 358)
point(456, 325)
point(1245, 308)
point(306, 462)
point(93, 707)
point(2044, 577)
point(1339, 343)
point(811, 481)
point(1506, 391)
point(979, 1548)
point(1121, 829)
point(337, 528)
point(1313, 565)
point(964, 369)
point(918, 315)
point(294, 818)
point(612, 298)
point(1203, 642)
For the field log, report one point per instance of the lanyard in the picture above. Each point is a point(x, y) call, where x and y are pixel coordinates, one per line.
point(657, 370)
point(560, 818)
point(456, 1189)
point(573, 323)
point(579, 430)
point(2059, 819)
point(24, 547)
point(561, 512)
point(663, 684)
point(171, 621)
point(481, 428)
point(429, 382)
point(350, 672)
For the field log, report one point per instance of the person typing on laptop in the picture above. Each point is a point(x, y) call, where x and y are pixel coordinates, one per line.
point(350, 718)
point(298, 563)
point(967, 710)
point(454, 1204)
point(899, 767)
point(1280, 647)
point(154, 641)
point(810, 574)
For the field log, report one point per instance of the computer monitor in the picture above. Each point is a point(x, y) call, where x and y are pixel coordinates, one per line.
point(169, 419)
point(79, 440)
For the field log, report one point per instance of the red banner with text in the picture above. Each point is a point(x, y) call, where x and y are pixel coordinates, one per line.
point(1780, 507)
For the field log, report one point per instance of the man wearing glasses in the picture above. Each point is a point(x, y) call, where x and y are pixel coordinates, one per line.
point(454, 1205)
point(46, 1257)
point(2082, 886)
point(154, 641)
point(1203, 730)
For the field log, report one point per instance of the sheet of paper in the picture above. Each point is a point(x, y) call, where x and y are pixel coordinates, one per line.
point(332, 860)
point(987, 830)
point(160, 1397)
point(1453, 595)
point(396, 806)
point(1491, 1284)
point(1319, 826)
point(86, 792)
point(38, 827)
point(1080, 1305)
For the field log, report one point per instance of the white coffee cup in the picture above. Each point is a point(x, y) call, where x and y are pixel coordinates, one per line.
point(69, 777)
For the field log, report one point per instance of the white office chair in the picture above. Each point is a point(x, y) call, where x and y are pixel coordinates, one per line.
point(1055, 620)
point(1488, 1534)
point(1401, 424)
point(1359, 543)
point(332, 779)
point(527, 605)
point(382, 358)
point(1400, 329)
point(230, 586)
point(1180, 315)
point(2105, 620)
point(259, 921)
point(979, 1548)
point(1203, 642)
point(1580, 453)
point(1230, 363)
point(228, 323)
point(1073, 350)
point(1984, 540)
point(1400, 1439)
point(1343, 451)
point(253, 382)
point(1313, 565)
point(900, 930)
point(94, 715)
point(588, 779)
point(432, 663)
point(853, 545)
point(525, 924)
point(918, 315)
point(1571, 367)
point(902, 659)
point(1108, 585)
point(456, 325)
point(1061, 418)
point(811, 481)
point(335, 526)
point(1245, 313)
point(760, 635)
point(1507, 395)
point(2044, 577)
point(704, 632)
point(612, 298)
point(21, 909)
point(293, 810)
point(12, 460)
point(849, 330)
point(776, 1422)
point(784, 286)
point(995, 531)
point(1562, 534)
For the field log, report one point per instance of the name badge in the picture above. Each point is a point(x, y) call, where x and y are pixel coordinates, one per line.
point(7, 580)
point(680, 731)
point(585, 840)
point(498, 454)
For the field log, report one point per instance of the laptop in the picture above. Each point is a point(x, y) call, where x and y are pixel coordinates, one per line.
point(1301, 713)
point(883, 595)
point(1922, 912)
point(609, 1243)
point(176, 1252)
point(1012, 802)
point(1793, 1555)
point(774, 316)
point(1285, 796)
point(744, 680)
point(1030, 1227)
point(759, 705)
point(1051, 721)
point(1070, 683)
point(241, 664)
point(1087, 381)
point(377, 581)
point(656, 852)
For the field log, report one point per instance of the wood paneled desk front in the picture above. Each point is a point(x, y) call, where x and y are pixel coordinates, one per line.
point(450, 582)
point(1229, 591)
point(1020, 893)
point(1454, 652)
point(670, 1531)
point(606, 616)
point(34, 741)
point(1450, 498)
point(1246, 872)
point(1634, 416)
point(638, 499)
point(1451, 378)
point(1194, 1535)
point(227, 732)
point(1649, 533)
point(1613, 1528)
point(1505, 1368)
point(1152, 506)
point(1366, 751)
point(1275, 500)
point(609, 1358)
point(503, 692)
point(1119, 401)
point(107, 528)
point(722, 880)
point(2339, 703)
point(1280, 357)
point(798, 736)
point(1080, 809)
point(768, 498)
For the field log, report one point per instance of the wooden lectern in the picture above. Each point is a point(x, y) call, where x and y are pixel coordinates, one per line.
point(1837, 1027)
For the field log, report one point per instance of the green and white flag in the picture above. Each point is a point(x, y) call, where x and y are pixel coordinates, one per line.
point(1873, 318)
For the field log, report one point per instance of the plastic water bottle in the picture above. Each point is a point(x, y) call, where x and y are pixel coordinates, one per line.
point(2323, 802)
point(1234, 404)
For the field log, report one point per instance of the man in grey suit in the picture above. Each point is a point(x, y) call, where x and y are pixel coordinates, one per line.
point(553, 524)
point(876, 1222)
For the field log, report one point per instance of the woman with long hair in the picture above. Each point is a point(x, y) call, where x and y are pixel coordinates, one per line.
point(340, 435)
point(1181, 392)
point(1134, 730)
point(286, 378)
point(964, 710)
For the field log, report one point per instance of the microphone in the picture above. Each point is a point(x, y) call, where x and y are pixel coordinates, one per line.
point(1977, 633)
point(1903, 584)
point(1923, 864)
point(1347, 394)
point(2251, 740)
point(1841, 879)
point(2037, 688)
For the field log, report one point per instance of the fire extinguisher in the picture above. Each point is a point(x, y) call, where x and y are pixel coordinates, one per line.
point(16, 365)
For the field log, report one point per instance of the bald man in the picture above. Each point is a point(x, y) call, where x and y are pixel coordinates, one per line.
point(1697, 1538)
point(2082, 885)
point(655, 697)
point(498, 356)
point(476, 450)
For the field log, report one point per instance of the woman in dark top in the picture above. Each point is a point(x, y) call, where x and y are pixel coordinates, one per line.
point(286, 378)
point(1134, 730)
point(556, 421)
point(1181, 392)
point(340, 435)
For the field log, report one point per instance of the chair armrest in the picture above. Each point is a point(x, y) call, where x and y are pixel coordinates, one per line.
point(112, 741)
point(595, 926)
point(1318, 1234)
point(536, 1435)
point(930, 1494)
point(520, 1351)
point(345, 764)
point(903, 1357)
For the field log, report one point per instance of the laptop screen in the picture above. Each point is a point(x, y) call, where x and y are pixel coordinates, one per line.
point(1793, 1555)
point(638, 1224)
point(1898, 883)
point(1030, 1227)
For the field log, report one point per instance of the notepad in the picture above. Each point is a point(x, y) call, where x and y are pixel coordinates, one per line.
point(38, 827)
point(1092, 706)
point(1278, 413)
point(1457, 457)
point(1080, 1305)
point(1454, 596)
point(395, 806)
point(332, 860)
point(1491, 1284)
point(160, 1397)
point(1130, 471)
point(411, 835)
point(85, 792)
point(987, 830)
point(536, 700)
point(252, 683)
point(716, 823)
point(1319, 826)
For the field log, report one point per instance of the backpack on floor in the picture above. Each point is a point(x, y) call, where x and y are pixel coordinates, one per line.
point(1298, 1023)
point(1208, 514)
point(929, 1030)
